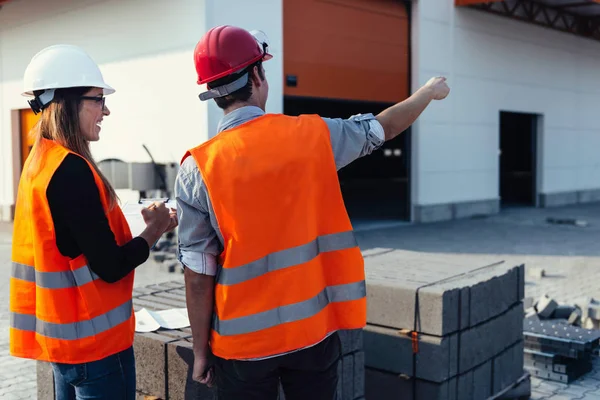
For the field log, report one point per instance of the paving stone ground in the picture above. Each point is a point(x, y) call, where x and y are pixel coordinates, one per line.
point(569, 254)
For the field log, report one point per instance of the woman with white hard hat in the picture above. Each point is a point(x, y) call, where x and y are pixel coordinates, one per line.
point(73, 253)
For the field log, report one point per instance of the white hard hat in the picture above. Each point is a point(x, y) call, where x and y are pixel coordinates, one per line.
point(62, 66)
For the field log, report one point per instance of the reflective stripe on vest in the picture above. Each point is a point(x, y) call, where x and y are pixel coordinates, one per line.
point(75, 330)
point(287, 258)
point(54, 280)
point(292, 312)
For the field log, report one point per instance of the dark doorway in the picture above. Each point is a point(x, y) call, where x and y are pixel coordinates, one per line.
point(518, 159)
point(375, 186)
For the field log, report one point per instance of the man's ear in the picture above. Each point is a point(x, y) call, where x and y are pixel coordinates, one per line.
point(255, 76)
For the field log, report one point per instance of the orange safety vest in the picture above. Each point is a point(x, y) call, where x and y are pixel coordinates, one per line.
point(60, 311)
point(291, 270)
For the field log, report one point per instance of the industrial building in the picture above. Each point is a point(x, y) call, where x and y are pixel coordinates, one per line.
point(517, 129)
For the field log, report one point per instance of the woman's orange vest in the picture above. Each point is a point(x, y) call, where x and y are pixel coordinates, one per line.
point(60, 311)
point(291, 271)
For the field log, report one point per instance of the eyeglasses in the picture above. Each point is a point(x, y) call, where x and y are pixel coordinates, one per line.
point(101, 100)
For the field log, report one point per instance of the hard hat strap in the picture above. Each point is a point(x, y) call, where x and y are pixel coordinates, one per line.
point(225, 90)
point(42, 101)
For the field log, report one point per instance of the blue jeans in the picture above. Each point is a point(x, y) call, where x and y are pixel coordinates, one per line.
point(110, 378)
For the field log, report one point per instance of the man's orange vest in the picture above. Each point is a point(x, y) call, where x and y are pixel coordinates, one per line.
point(291, 271)
point(60, 311)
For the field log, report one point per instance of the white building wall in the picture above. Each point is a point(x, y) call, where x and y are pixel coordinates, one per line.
point(145, 50)
point(493, 64)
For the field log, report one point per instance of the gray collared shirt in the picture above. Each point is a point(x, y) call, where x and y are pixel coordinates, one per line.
point(200, 239)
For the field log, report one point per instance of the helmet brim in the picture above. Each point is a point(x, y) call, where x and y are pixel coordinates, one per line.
point(106, 89)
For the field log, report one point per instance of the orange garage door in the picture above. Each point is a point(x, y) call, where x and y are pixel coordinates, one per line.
point(346, 49)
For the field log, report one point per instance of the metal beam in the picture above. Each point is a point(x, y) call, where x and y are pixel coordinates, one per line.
point(552, 17)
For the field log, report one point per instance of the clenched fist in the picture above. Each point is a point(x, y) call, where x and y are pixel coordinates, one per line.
point(437, 87)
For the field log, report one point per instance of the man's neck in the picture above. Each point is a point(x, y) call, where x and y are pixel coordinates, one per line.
point(240, 104)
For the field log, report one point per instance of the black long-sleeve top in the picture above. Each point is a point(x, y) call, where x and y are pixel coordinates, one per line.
point(82, 227)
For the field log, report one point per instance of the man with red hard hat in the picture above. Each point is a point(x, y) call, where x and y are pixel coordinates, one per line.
point(272, 268)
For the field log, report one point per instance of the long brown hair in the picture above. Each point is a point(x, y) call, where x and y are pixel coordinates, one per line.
point(60, 122)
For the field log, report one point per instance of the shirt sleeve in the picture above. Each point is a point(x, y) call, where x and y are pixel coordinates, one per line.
point(75, 205)
point(354, 137)
point(199, 244)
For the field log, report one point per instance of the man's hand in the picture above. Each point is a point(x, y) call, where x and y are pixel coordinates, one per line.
point(438, 88)
point(203, 372)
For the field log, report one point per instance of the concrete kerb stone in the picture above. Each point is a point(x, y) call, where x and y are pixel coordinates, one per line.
point(441, 358)
point(150, 363)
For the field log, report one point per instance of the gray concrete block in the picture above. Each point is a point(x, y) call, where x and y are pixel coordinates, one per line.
point(383, 386)
point(359, 374)
point(575, 317)
point(150, 365)
point(387, 350)
point(563, 311)
point(393, 279)
point(465, 308)
point(476, 346)
point(465, 386)
point(521, 273)
point(352, 340)
point(180, 364)
point(482, 381)
point(438, 310)
point(546, 306)
point(508, 367)
point(493, 296)
point(45, 380)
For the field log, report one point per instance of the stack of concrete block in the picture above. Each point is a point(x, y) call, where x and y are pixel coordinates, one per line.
point(469, 318)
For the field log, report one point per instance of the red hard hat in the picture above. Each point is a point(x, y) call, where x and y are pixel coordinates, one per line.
point(226, 49)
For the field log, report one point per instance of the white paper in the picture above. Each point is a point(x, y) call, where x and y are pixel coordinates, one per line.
point(133, 215)
point(175, 318)
point(145, 322)
point(150, 321)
